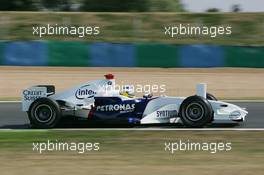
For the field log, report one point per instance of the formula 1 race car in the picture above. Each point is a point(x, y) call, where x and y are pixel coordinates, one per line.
point(99, 101)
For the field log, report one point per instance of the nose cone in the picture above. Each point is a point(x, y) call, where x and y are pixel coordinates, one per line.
point(238, 113)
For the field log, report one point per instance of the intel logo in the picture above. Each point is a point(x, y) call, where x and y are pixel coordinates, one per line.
point(84, 92)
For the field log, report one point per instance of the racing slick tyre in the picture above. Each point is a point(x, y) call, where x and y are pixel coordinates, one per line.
point(196, 111)
point(44, 113)
point(210, 97)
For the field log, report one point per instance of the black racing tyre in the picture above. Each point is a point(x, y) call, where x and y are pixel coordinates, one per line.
point(44, 113)
point(196, 112)
point(210, 97)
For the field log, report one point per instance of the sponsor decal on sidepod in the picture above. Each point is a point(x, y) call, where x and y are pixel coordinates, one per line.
point(116, 107)
point(84, 92)
point(166, 113)
point(31, 95)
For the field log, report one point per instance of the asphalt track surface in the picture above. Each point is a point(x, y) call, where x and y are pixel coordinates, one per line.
point(11, 117)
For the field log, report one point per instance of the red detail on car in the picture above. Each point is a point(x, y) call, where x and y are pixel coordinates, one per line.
point(109, 76)
point(90, 114)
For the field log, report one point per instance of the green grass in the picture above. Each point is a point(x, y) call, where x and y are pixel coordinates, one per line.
point(247, 28)
point(17, 138)
point(133, 152)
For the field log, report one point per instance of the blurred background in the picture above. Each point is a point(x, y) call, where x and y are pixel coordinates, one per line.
point(132, 35)
point(134, 6)
point(125, 30)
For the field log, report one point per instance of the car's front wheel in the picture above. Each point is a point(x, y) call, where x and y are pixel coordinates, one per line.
point(196, 111)
point(44, 113)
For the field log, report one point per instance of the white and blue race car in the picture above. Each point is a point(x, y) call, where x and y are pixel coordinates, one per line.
point(99, 101)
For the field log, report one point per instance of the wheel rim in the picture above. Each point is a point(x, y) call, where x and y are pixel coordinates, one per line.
point(44, 113)
point(194, 112)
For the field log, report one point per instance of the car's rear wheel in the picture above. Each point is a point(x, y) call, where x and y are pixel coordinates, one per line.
point(44, 113)
point(196, 111)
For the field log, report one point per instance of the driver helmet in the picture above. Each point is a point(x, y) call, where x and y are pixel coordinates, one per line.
point(128, 91)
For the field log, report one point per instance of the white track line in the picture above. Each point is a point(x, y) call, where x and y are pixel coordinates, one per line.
point(236, 101)
point(137, 129)
point(10, 101)
point(246, 101)
point(166, 129)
